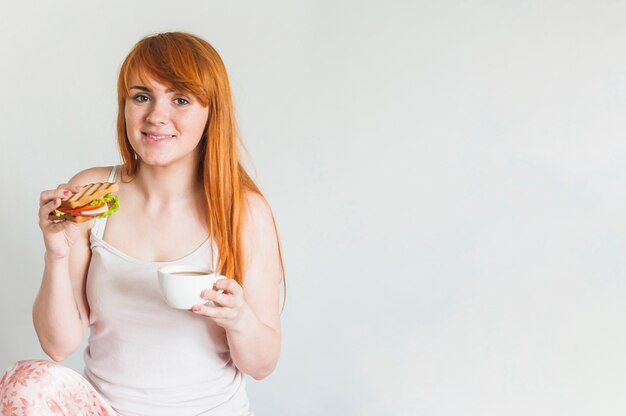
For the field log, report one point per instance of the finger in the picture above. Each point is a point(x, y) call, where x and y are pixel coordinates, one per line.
point(221, 299)
point(73, 188)
point(210, 311)
point(47, 208)
point(228, 285)
point(46, 196)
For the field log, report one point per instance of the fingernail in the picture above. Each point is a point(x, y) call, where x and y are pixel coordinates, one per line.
point(66, 193)
point(195, 309)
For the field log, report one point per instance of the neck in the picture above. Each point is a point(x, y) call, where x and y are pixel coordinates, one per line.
point(163, 185)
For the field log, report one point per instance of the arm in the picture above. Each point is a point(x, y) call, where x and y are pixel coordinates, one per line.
point(60, 311)
point(251, 315)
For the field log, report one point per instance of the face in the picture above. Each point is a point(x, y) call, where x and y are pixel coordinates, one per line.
point(164, 126)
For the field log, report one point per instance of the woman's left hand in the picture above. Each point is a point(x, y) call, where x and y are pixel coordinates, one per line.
point(229, 307)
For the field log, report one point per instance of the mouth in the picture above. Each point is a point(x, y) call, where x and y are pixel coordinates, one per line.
point(157, 137)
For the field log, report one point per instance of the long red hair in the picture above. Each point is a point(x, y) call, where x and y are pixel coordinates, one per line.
point(191, 65)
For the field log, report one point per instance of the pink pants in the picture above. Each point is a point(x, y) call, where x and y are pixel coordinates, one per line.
point(43, 388)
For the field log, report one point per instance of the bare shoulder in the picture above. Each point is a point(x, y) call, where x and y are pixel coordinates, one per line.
point(260, 234)
point(259, 217)
point(257, 205)
point(263, 272)
point(95, 174)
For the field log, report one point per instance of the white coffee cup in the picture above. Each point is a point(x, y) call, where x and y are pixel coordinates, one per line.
point(181, 286)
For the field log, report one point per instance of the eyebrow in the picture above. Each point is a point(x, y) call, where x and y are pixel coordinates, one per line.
point(146, 89)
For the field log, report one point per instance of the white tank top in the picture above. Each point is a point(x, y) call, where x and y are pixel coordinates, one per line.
point(146, 358)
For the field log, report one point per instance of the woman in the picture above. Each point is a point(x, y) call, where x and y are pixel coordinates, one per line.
point(184, 199)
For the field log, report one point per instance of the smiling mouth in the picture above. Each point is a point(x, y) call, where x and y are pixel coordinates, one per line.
point(158, 137)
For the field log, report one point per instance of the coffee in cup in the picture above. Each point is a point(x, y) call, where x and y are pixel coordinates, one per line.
point(181, 286)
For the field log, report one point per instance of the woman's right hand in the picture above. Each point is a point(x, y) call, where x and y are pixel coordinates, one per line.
point(58, 236)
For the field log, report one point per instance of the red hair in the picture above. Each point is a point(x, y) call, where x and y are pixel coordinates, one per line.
point(191, 65)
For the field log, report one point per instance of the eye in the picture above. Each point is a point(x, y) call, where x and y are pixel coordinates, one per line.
point(141, 98)
point(181, 101)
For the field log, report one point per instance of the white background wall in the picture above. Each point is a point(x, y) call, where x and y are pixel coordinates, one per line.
point(448, 180)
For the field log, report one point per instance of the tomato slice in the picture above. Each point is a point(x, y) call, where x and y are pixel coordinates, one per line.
point(81, 209)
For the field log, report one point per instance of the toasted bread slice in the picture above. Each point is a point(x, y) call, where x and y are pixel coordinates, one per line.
point(68, 217)
point(88, 193)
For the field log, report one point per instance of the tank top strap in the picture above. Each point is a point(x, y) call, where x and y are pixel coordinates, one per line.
point(113, 174)
point(100, 223)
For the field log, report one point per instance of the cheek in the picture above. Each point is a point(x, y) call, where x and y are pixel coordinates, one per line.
point(196, 122)
point(127, 112)
point(204, 119)
point(132, 118)
point(128, 116)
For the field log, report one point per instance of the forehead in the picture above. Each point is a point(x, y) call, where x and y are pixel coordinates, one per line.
point(143, 79)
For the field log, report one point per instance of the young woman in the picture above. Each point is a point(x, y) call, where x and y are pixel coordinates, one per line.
point(184, 199)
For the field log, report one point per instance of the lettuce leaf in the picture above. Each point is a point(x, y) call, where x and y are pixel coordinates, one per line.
point(107, 199)
point(104, 200)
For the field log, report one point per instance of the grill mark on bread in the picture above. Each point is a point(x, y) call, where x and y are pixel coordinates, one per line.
point(80, 194)
point(89, 192)
point(93, 188)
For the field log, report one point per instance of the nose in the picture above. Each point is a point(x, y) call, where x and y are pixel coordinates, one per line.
point(158, 114)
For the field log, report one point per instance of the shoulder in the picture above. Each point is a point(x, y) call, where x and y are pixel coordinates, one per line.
point(257, 205)
point(259, 227)
point(258, 215)
point(95, 174)
point(262, 249)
